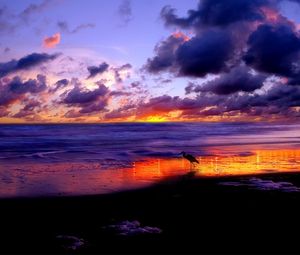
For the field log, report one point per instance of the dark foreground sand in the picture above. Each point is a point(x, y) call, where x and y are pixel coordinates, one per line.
point(196, 215)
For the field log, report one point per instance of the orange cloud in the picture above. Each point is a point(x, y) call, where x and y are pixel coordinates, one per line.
point(271, 15)
point(179, 34)
point(51, 41)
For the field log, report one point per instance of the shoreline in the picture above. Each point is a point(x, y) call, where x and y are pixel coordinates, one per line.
point(163, 182)
point(196, 215)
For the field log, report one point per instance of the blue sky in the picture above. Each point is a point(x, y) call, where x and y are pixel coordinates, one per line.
point(110, 37)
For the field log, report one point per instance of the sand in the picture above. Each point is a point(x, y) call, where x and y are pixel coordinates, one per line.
point(186, 215)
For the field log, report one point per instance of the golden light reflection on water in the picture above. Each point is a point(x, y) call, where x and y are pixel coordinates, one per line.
point(260, 161)
point(39, 179)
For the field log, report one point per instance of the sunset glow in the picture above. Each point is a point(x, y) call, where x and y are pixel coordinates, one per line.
point(149, 127)
point(186, 67)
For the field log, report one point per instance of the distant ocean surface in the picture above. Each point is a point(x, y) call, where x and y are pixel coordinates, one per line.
point(71, 159)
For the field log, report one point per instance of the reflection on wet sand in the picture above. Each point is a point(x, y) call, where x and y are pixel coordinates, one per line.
point(42, 179)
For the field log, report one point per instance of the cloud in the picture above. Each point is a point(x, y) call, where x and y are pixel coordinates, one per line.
point(3, 112)
point(165, 53)
point(117, 114)
point(52, 41)
point(89, 101)
point(25, 63)
point(216, 13)
point(32, 85)
point(11, 21)
point(15, 89)
point(125, 12)
point(34, 9)
point(119, 70)
point(223, 30)
point(72, 114)
point(274, 49)
point(119, 93)
point(64, 27)
point(189, 88)
point(58, 85)
point(28, 109)
point(251, 48)
point(7, 25)
point(79, 96)
point(280, 101)
point(238, 79)
point(123, 112)
point(203, 54)
point(95, 70)
point(6, 50)
point(135, 84)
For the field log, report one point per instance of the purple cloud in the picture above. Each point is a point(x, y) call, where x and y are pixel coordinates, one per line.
point(25, 63)
point(95, 70)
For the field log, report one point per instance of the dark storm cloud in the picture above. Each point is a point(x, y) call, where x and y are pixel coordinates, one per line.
point(274, 49)
point(203, 54)
point(238, 79)
point(226, 35)
point(15, 89)
point(125, 12)
point(95, 70)
point(24, 63)
point(165, 54)
point(283, 96)
point(216, 13)
point(64, 27)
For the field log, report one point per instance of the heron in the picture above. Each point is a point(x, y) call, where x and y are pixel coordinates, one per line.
point(190, 158)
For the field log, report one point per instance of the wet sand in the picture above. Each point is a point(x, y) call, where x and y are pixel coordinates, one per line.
point(196, 216)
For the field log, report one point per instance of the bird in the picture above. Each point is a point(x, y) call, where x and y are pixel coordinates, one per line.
point(190, 158)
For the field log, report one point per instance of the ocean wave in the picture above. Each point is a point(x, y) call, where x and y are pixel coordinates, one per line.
point(126, 141)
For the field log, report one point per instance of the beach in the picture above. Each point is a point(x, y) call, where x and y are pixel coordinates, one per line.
point(150, 127)
point(126, 188)
point(192, 215)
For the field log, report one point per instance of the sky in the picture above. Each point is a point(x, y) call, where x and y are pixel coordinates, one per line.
point(149, 60)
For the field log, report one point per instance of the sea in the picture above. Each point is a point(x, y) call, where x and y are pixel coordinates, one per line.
point(87, 159)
